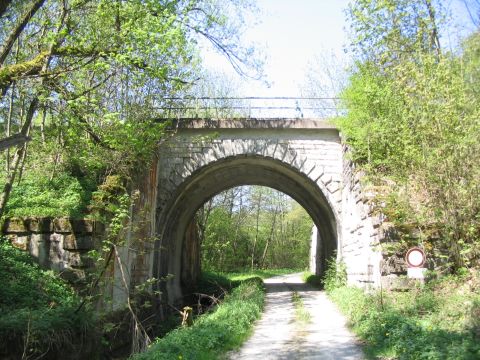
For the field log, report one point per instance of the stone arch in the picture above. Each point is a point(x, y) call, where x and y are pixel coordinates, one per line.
point(288, 173)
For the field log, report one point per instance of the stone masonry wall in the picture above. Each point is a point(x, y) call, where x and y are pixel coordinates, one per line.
point(361, 229)
point(59, 244)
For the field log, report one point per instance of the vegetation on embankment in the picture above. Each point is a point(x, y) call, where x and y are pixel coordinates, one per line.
point(412, 123)
point(438, 320)
point(37, 311)
point(215, 333)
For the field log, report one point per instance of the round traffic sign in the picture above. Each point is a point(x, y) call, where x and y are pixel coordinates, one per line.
point(415, 257)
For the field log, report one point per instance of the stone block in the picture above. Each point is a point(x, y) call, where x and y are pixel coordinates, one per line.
point(42, 225)
point(78, 226)
point(74, 259)
point(19, 241)
point(398, 283)
point(77, 242)
point(82, 226)
point(73, 275)
point(39, 248)
point(62, 225)
point(14, 225)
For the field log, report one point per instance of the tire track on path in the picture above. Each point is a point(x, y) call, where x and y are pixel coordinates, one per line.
point(277, 335)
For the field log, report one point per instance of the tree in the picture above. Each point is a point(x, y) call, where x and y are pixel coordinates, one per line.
point(252, 227)
point(412, 126)
point(97, 73)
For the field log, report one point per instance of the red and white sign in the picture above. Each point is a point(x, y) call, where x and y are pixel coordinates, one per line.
point(415, 257)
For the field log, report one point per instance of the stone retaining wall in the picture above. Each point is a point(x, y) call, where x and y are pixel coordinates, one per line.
point(59, 244)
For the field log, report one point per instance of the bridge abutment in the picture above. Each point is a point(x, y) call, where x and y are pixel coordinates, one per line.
point(301, 157)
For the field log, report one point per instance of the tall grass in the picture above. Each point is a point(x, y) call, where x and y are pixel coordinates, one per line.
point(439, 321)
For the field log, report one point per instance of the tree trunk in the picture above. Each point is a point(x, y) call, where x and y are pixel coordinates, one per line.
point(256, 229)
point(270, 237)
point(17, 158)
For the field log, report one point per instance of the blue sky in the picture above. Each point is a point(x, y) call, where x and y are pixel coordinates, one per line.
point(292, 32)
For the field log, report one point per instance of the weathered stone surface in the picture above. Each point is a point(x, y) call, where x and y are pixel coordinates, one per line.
point(39, 248)
point(59, 244)
point(398, 283)
point(40, 224)
point(394, 264)
point(83, 226)
point(62, 225)
point(20, 242)
point(78, 242)
point(73, 276)
point(15, 225)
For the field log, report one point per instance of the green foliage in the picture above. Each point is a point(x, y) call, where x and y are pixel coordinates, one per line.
point(434, 322)
point(107, 200)
point(214, 334)
point(312, 279)
point(335, 275)
point(254, 227)
point(38, 309)
point(63, 195)
point(413, 126)
point(261, 273)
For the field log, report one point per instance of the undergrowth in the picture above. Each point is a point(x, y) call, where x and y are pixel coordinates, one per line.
point(37, 311)
point(37, 195)
point(438, 321)
point(215, 333)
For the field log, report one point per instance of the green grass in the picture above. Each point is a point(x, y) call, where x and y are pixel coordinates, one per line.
point(439, 321)
point(263, 274)
point(37, 310)
point(213, 334)
point(302, 316)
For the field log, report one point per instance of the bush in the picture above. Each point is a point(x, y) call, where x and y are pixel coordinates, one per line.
point(335, 275)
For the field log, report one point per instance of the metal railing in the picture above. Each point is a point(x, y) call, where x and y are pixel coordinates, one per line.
point(251, 107)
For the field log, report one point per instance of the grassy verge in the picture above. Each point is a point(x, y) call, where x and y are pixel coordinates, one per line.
point(215, 333)
point(439, 321)
point(263, 274)
point(37, 311)
point(301, 314)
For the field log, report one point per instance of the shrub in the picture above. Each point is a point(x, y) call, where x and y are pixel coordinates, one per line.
point(335, 275)
point(433, 322)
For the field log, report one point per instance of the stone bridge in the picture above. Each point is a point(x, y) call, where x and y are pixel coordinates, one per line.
point(303, 158)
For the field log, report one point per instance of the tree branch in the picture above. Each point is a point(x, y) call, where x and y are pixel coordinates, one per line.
point(22, 23)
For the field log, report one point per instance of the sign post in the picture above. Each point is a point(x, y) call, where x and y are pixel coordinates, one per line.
point(415, 259)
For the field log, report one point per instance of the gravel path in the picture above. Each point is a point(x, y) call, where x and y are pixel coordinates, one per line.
point(278, 335)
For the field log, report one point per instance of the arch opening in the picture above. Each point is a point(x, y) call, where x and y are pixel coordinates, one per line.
point(230, 172)
point(249, 228)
